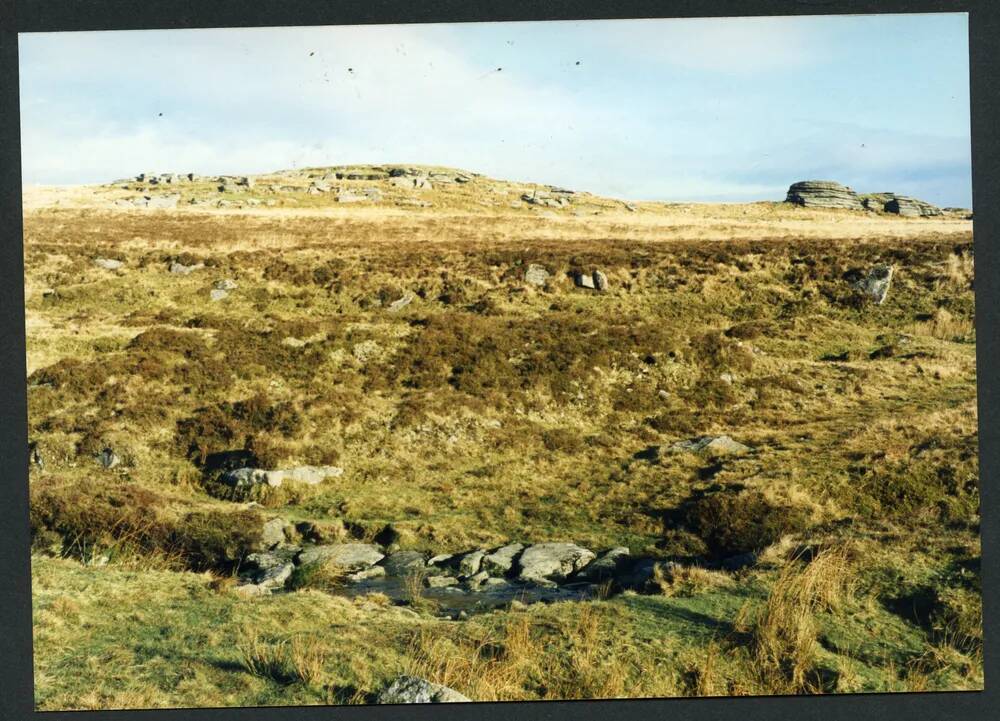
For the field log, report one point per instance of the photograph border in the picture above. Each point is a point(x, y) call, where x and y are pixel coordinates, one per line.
point(16, 681)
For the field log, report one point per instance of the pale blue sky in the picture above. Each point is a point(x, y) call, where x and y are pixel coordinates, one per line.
point(704, 109)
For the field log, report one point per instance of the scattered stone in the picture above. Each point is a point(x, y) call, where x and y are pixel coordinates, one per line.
point(225, 284)
point(595, 281)
point(709, 445)
point(182, 269)
point(109, 263)
point(536, 275)
point(218, 294)
point(108, 458)
point(875, 284)
point(630, 207)
point(347, 556)
point(366, 350)
point(501, 560)
point(552, 561)
point(411, 689)
point(398, 305)
point(823, 194)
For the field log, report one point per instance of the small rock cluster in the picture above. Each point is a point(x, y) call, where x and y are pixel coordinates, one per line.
point(503, 568)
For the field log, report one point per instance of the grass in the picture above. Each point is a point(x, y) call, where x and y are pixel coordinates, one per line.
point(487, 411)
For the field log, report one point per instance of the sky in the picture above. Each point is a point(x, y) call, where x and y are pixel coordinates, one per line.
point(727, 109)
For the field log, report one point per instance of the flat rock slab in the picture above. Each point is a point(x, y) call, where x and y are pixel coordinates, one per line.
point(411, 689)
point(347, 556)
point(552, 561)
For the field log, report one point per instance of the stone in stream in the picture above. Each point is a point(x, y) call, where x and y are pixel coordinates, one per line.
point(468, 565)
point(403, 563)
point(547, 562)
point(411, 689)
point(440, 581)
point(500, 561)
point(346, 556)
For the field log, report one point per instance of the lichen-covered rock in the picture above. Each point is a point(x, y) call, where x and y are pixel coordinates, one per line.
point(411, 689)
point(606, 566)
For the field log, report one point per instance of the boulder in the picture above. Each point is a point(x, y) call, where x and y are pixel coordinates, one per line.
point(108, 263)
point(500, 561)
point(823, 194)
point(536, 275)
point(411, 689)
point(273, 533)
point(468, 565)
point(638, 575)
point(270, 569)
point(403, 563)
point(181, 269)
point(552, 561)
point(606, 566)
point(347, 556)
point(600, 281)
point(366, 574)
point(584, 280)
point(708, 445)
point(108, 458)
point(874, 284)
